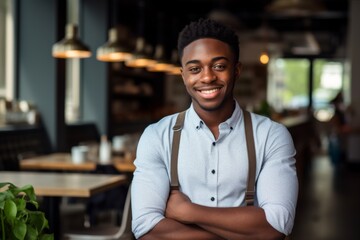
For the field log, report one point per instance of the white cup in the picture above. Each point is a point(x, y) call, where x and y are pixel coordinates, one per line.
point(79, 154)
point(119, 143)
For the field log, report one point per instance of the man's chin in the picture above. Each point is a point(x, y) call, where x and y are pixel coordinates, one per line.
point(210, 107)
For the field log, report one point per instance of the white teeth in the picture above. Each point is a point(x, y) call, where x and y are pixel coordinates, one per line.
point(209, 91)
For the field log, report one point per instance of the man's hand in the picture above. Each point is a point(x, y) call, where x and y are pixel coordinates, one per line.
point(178, 206)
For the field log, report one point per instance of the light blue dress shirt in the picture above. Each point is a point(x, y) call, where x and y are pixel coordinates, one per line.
point(213, 172)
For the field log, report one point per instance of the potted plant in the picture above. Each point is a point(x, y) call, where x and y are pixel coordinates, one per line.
point(19, 214)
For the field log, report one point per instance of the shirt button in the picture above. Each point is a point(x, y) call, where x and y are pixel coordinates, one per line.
point(214, 143)
point(213, 171)
point(197, 127)
point(212, 199)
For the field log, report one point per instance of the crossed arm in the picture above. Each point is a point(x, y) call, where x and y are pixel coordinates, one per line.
point(186, 220)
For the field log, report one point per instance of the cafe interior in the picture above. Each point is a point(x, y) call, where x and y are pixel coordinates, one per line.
point(81, 79)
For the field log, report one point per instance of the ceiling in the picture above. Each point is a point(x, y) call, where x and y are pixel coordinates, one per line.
point(164, 19)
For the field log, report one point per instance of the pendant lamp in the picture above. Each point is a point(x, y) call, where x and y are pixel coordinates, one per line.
point(71, 46)
point(161, 63)
point(142, 56)
point(116, 49)
point(295, 7)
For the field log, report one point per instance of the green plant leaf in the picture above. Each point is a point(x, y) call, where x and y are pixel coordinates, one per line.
point(20, 203)
point(19, 230)
point(32, 233)
point(3, 184)
point(28, 190)
point(23, 215)
point(18, 219)
point(38, 220)
point(10, 210)
point(5, 195)
point(47, 237)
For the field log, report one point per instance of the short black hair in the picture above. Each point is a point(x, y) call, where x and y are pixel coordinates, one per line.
point(208, 28)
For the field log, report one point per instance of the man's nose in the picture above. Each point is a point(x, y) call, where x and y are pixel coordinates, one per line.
point(208, 75)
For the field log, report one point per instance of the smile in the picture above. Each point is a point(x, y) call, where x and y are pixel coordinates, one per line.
point(209, 91)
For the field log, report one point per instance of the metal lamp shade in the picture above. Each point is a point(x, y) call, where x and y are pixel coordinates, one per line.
point(71, 46)
point(140, 58)
point(115, 50)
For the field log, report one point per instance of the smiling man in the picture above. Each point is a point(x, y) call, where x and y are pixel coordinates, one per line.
point(213, 158)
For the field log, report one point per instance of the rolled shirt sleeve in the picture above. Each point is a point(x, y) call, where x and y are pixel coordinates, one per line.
point(277, 184)
point(150, 186)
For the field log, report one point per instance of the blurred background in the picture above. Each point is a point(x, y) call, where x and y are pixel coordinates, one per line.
point(72, 71)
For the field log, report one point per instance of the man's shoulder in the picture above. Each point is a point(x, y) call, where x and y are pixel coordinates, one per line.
point(261, 119)
point(165, 122)
point(264, 122)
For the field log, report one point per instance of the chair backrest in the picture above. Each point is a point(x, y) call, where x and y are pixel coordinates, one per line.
point(78, 133)
point(19, 142)
point(124, 232)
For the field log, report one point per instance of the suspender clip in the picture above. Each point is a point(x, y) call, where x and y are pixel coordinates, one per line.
point(177, 128)
point(249, 198)
point(174, 187)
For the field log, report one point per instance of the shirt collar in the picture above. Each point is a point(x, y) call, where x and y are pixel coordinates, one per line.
point(197, 122)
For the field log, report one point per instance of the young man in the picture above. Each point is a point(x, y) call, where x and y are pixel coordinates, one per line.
point(213, 159)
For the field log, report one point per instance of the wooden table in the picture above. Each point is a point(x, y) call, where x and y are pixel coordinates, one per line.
point(63, 162)
point(53, 186)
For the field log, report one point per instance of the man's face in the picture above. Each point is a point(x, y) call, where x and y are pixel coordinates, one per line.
point(209, 73)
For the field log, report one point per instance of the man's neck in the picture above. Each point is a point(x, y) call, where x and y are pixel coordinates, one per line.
point(213, 118)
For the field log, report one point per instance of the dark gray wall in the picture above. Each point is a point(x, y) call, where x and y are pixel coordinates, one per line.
point(94, 19)
point(36, 66)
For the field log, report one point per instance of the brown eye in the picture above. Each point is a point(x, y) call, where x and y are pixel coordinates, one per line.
point(194, 69)
point(219, 67)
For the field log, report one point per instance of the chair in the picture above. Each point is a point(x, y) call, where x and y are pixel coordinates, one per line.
point(108, 233)
point(79, 133)
point(19, 142)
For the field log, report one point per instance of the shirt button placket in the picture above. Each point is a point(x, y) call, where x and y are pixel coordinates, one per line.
point(213, 177)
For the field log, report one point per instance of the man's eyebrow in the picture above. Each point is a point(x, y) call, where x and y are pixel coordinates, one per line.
point(191, 61)
point(213, 60)
point(220, 58)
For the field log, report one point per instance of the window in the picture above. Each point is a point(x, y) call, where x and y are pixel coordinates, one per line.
point(328, 80)
point(288, 86)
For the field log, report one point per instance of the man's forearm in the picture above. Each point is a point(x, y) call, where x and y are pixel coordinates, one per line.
point(232, 223)
point(170, 229)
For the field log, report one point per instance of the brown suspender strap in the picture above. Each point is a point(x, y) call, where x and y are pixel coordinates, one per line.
point(175, 150)
point(250, 190)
